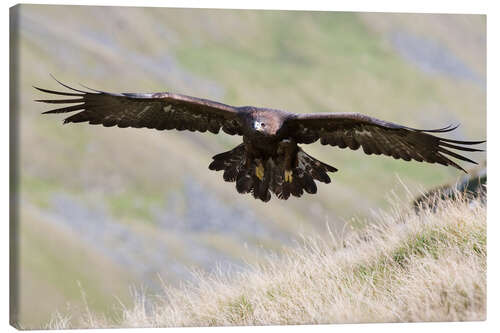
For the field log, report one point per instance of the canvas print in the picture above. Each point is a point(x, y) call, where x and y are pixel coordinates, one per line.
point(215, 167)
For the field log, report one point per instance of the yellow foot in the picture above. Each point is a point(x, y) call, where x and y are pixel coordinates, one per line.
point(288, 176)
point(259, 171)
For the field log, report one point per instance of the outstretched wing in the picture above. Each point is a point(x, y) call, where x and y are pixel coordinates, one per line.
point(377, 137)
point(161, 111)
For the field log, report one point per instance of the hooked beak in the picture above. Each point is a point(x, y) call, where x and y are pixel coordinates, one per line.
point(257, 126)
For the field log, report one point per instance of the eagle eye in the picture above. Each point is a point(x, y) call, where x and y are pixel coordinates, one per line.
point(262, 124)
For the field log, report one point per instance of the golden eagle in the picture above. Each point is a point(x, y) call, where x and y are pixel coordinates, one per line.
point(269, 159)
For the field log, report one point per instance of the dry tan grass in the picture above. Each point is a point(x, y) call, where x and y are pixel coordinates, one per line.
point(404, 266)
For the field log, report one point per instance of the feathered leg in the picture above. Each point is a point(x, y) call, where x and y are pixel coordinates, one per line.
point(298, 172)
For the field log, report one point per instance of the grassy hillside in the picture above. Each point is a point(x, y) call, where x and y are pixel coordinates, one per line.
point(401, 267)
point(127, 205)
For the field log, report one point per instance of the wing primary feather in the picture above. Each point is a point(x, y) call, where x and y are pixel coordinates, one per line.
point(98, 91)
point(67, 109)
point(446, 161)
point(452, 154)
point(66, 86)
point(60, 101)
point(448, 128)
point(463, 142)
point(57, 92)
point(458, 147)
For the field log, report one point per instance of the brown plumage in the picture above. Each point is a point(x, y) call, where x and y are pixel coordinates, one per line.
point(269, 159)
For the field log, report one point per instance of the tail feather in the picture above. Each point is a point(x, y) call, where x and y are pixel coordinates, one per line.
point(230, 174)
point(229, 161)
point(308, 183)
point(296, 190)
point(305, 172)
point(261, 191)
point(244, 183)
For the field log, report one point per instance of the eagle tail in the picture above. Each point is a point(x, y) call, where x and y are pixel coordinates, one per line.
point(302, 179)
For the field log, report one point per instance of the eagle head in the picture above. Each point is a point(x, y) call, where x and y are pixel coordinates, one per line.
point(266, 123)
point(259, 126)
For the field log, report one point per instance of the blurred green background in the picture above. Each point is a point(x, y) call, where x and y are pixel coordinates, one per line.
point(105, 209)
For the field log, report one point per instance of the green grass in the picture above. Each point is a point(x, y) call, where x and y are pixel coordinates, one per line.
point(402, 267)
point(61, 270)
point(344, 54)
point(39, 190)
point(138, 205)
point(422, 244)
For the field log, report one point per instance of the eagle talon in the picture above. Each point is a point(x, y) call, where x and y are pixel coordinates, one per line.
point(288, 176)
point(259, 171)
